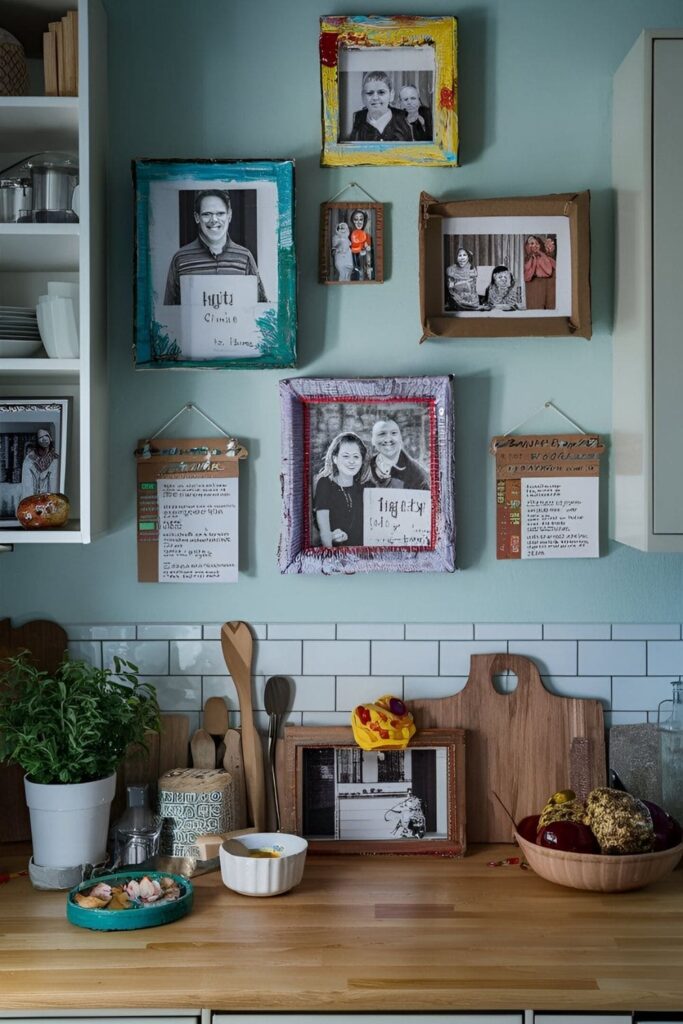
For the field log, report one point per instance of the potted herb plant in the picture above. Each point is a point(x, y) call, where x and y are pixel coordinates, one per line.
point(69, 732)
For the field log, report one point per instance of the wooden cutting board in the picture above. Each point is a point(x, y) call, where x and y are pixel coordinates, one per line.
point(517, 744)
point(47, 643)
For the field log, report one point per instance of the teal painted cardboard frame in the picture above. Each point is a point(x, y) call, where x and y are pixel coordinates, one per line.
point(153, 347)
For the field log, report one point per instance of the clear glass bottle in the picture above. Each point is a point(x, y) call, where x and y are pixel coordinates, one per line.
point(671, 744)
point(137, 832)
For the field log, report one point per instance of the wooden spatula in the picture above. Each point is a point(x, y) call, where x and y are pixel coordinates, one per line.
point(203, 749)
point(276, 700)
point(217, 722)
point(237, 646)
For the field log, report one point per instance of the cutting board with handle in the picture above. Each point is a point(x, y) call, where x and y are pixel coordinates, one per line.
point(47, 643)
point(517, 744)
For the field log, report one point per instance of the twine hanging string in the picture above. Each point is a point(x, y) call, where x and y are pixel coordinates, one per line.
point(353, 184)
point(549, 404)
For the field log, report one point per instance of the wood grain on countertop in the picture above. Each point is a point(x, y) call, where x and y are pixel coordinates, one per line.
point(361, 933)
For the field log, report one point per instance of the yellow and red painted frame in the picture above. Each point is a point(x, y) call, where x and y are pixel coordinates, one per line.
point(367, 32)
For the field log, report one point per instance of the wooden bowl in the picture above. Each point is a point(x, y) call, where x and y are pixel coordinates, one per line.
point(600, 872)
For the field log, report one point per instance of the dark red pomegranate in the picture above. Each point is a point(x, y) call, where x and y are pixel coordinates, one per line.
point(570, 836)
point(668, 832)
point(527, 828)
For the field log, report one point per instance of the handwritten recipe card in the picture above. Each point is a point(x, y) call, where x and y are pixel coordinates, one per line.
point(560, 517)
point(198, 530)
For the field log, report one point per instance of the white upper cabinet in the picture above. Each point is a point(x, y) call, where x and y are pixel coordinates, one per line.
point(33, 254)
point(647, 158)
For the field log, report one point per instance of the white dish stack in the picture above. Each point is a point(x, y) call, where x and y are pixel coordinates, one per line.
point(19, 335)
point(58, 319)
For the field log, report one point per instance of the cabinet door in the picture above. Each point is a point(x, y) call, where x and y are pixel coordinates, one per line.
point(667, 287)
point(374, 1018)
point(582, 1018)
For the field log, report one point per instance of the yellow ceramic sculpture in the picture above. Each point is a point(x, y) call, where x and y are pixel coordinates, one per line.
point(385, 725)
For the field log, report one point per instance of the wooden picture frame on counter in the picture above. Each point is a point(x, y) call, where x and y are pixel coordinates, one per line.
point(504, 268)
point(343, 799)
point(390, 509)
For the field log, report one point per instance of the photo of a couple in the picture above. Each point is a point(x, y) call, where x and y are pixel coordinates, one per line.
point(372, 447)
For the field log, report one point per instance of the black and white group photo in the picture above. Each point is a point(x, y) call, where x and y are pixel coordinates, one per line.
point(386, 94)
point(354, 794)
point(525, 272)
point(370, 477)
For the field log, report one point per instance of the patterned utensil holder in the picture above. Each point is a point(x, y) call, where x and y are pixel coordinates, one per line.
point(193, 802)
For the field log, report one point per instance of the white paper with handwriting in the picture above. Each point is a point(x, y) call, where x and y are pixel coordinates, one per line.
point(560, 517)
point(396, 517)
point(198, 530)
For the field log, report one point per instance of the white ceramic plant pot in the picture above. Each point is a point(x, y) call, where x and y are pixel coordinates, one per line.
point(69, 823)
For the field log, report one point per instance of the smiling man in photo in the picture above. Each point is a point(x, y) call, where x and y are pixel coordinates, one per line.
point(213, 251)
point(390, 465)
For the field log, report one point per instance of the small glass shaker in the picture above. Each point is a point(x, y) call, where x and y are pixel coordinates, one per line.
point(137, 832)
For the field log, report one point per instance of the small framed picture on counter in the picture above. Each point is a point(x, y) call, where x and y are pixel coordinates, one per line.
point(343, 799)
point(215, 269)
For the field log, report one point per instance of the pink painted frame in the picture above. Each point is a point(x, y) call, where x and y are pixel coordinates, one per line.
point(295, 553)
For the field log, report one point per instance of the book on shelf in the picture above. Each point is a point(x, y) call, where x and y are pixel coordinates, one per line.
point(60, 56)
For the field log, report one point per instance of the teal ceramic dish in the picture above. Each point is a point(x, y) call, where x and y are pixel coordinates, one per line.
point(149, 915)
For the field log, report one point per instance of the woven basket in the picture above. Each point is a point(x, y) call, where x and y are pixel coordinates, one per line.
point(13, 69)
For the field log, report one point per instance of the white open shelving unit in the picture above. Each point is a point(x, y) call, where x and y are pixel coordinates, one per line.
point(32, 254)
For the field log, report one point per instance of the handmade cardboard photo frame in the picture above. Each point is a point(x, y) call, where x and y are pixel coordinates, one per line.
point(389, 90)
point(346, 800)
point(351, 243)
point(492, 268)
point(215, 266)
point(367, 475)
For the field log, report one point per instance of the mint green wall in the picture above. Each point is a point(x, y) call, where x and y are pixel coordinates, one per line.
point(218, 78)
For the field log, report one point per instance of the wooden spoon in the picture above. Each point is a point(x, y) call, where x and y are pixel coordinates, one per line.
point(203, 749)
point(216, 721)
point(237, 646)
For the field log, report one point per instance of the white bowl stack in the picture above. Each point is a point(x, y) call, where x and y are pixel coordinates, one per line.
point(58, 319)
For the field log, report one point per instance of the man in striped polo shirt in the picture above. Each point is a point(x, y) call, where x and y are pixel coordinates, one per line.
point(213, 250)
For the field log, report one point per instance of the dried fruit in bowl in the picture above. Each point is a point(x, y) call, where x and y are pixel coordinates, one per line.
point(562, 806)
point(620, 822)
point(386, 724)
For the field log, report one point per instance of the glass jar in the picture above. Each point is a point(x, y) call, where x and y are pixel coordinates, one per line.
point(137, 832)
point(671, 745)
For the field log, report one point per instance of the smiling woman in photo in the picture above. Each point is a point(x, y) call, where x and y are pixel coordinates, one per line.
point(338, 492)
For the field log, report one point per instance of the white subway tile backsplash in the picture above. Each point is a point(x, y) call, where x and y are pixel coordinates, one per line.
point(166, 632)
point(177, 693)
point(439, 631)
point(598, 687)
point(368, 631)
point(406, 656)
point(86, 650)
point(636, 694)
point(333, 667)
point(651, 631)
point(212, 630)
point(313, 693)
point(552, 657)
point(299, 631)
point(507, 631)
point(150, 656)
point(576, 631)
point(336, 657)
point(105, 632)
point(419, 687)
point(611, 658)
point(352, 690)
point(665, 657)
point(277, 657)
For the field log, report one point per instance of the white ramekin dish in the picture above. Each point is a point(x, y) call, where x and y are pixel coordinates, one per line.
point(263, 876)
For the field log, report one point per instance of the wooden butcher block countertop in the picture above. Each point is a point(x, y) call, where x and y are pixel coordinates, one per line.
point(361, 933)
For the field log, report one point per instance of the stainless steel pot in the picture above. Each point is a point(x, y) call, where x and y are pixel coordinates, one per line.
point(53, 189)
point(15, 199)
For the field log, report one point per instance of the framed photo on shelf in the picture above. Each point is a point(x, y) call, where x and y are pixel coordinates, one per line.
point(505, 267)
point(343, 799)
point(33, 450)
point(351, 243)
point(215, 268)
point(389, 90)
point(367, 483)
